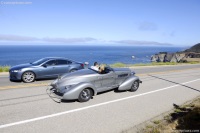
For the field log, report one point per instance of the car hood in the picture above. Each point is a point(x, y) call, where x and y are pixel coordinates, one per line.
point(74, 77)
point(78, 73)
point(18, 67)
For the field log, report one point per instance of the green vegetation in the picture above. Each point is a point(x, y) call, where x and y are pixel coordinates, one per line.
point(149, 126)
point(183, 118)
point(4, 68)
point(157, 64)
point(156, 122)
point(119, 64)
point(177, 110)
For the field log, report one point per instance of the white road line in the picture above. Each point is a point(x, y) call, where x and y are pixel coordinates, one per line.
point(92, 106)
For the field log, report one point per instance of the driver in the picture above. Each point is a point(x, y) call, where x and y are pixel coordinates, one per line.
point(95, 67)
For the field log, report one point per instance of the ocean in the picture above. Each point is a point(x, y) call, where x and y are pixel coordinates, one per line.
point(18, 54)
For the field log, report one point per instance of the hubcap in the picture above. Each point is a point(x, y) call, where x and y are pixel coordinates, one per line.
point(135, 85)
point(85, 94)
point(28, 77)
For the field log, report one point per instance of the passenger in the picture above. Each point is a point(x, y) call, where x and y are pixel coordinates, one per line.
point(95, 67)
point(102, 69)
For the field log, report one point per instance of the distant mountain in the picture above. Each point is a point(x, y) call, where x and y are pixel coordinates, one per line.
point(195, 48)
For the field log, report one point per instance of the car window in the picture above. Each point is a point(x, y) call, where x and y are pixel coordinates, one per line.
point(51, 63)
point(38, 62)
point(63, 62)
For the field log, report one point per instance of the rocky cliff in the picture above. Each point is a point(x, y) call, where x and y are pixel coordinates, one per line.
point(191, 54)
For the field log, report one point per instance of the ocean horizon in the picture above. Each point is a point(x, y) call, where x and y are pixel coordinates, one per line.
point(18, 54)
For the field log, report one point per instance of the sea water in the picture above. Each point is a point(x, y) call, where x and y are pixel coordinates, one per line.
point(19, 54)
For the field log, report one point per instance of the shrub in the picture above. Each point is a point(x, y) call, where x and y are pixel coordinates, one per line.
point(119, 64)
point(4, 68)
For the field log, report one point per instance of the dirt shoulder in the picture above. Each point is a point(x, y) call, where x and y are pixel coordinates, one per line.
point(4, 73)
point(183, 118)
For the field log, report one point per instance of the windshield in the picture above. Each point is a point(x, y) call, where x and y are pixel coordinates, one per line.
point(93, 70)
point(38, 62)
point(105, 71)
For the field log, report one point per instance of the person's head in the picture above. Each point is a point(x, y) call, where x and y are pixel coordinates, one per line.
point(101, 68)
point(95, 64)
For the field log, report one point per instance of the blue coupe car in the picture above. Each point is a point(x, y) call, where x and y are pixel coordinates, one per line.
point(50, 67)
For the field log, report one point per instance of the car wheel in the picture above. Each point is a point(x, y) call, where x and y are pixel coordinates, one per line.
point(85, 95)
point(135, 86)
point(28, 77)
point(73, 70)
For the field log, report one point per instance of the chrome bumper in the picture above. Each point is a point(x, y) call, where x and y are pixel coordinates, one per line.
point(51, 91)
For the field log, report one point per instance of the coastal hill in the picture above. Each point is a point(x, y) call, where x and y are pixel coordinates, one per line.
point(195, 48)
point(190, 55)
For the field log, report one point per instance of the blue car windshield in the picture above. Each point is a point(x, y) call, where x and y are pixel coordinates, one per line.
point(38, 62)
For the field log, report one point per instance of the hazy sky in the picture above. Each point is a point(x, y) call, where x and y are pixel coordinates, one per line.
point(100, 21)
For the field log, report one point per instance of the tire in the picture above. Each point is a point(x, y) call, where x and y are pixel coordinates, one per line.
point(135, 86)
point(85, 95)
point(73, 70)
point(28, 77)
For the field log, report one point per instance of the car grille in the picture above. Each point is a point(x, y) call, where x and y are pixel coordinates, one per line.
point(12, 75)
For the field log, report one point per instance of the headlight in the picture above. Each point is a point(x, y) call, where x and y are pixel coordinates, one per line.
point(133, 73)
point(68, 87)
point(16, 70)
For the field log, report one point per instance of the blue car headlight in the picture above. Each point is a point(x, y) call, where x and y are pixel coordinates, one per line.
point(16, 70)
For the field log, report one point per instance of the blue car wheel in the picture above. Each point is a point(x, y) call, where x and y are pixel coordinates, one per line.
point(28, 77)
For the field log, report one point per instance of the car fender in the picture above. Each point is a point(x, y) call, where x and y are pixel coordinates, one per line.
point(126, 85)
point(74, 92)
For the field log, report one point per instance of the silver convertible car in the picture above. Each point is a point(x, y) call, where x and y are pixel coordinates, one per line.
point(49, 67)
point(85, 83)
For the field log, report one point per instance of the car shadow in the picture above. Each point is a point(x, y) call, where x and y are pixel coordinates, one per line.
point(68, 101)
point(114, 90)
point(45, 79)
point(175, 83)
point(119, 91)
point(15, 81)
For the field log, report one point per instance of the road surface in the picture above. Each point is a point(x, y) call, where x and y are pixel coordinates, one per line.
point(26, 108)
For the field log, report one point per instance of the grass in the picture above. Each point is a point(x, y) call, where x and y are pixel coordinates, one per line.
point(177, 110)
point(4, 68)
point(119, 64)
point(156, 122)
point(187, 118)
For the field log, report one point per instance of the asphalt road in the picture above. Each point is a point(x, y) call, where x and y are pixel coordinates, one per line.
point(27, 108)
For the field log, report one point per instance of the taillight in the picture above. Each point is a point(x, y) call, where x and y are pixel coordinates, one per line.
point(82, 65)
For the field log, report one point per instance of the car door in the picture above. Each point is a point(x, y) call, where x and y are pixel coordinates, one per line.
point(62, 66)
point(107, 81)
point(48, 69)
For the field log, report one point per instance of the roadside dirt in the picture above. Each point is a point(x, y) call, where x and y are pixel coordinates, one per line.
point(182, 119)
